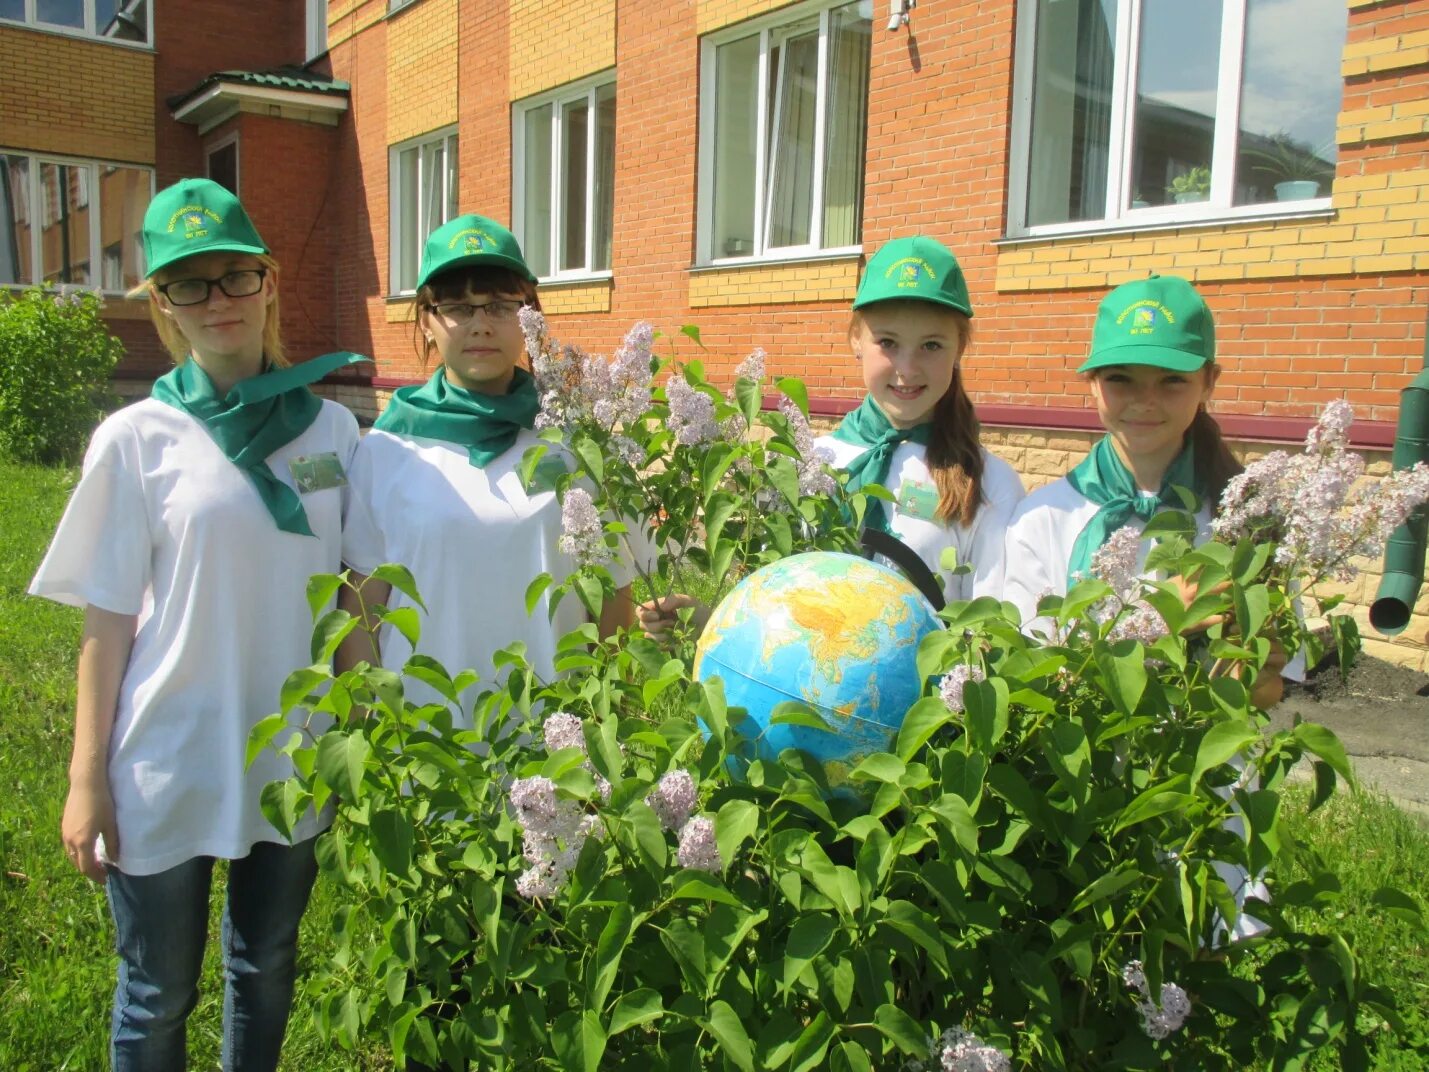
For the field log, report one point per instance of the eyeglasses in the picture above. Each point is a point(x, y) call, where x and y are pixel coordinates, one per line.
point(240, 284)
point(499, 311)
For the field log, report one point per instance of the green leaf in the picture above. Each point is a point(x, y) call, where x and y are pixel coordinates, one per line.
point(986, 703)
point(261, 736)
point(1252, 608)
point(406, 622)
point(924, 718)
point(392, 841)
point(633, 1008)
point(1108, 885)
point(849, 1057)
point(809, 937)
point(728, 1029)
point(879, 767)
point(813, 1043)
point(342, 762)
point(1161, 798)
point(1322, 742)
point(613, 938)
point(330, 631)
point(1400, 905)
point(400, 578)
point(702, 889)
point(300, 683)
point(793, 388)
point(750, 397)
point(735, 822)
point(588, 452)
point(691, 332)
point(321, 589)
point(911, 921)
point(1221, 742)
point(902, 1030)
point(536, 589)
point(1124, 677)
point(958, 818)
point(798, 713)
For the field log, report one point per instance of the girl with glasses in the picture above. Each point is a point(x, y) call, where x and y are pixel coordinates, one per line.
point(200, 515)
point(436, 483)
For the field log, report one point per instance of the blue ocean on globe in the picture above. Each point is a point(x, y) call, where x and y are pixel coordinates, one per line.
point(834, 631)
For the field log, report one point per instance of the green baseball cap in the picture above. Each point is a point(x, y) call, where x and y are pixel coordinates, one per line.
point(917, 269)
point(196, 216)
point(471, 239)
point(1159, 321)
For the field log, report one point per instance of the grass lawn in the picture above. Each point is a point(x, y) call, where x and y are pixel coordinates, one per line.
point(57, 969)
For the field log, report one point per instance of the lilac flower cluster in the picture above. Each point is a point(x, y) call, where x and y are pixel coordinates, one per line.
point(553, 830)
point(673, 799)
point(1158, 1019)
point(698, 849)
point(752, 367)
point(1143, 623)
point(692, 414)
point(962, 1051)
point(562, 730)
point(951, 687)
point(814, 477)
point(576, 387)
point(1118, 563)
point(582, 534)
point(1312, 505)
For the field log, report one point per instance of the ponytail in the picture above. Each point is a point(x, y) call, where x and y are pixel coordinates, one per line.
point(1215, 464)
point(954, 452)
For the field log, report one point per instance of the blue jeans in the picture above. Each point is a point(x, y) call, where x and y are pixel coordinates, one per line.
point(161, 927)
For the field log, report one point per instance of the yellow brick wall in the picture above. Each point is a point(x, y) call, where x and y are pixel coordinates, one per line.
point(49, 103)
point(422, 70)
point(561, 298)
point(716, 14)
point(1385, 53)
point(348, 18)
point(764, 284)
point(558, 41)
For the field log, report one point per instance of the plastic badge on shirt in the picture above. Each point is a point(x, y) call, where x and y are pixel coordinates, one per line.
point(918, 500)
point(317, 472)
point(548, 470)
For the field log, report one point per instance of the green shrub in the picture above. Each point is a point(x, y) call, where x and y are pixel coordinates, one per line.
point(56, 355)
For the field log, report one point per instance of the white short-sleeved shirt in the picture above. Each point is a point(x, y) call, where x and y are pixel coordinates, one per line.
point(912, 520)
point(163, 526)
point(1040, 537)
point(474, 540)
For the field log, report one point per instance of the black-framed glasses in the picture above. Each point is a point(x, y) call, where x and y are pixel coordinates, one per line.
point(240, 284)
point(500, 310)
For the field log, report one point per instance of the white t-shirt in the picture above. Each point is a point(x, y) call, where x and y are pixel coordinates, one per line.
point(474, 541)
point(912, 518)
point(162, 525)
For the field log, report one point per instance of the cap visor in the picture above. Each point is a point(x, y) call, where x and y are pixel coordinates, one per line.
point(215, 247)
point(874, 299)
point(1145, 354)
point(496, 260)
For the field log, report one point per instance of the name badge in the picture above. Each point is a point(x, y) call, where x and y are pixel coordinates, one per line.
point(548, 470)
point(918, 500)
point(317, 472)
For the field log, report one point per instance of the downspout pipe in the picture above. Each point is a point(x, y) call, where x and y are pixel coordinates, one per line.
point(1404, 553)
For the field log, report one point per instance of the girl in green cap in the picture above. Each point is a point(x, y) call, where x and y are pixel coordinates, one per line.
point(200, 515)
point(1151, 372)
point(436, 483)
point(915, 432)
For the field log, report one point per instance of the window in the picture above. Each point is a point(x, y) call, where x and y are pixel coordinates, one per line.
point(564, 189)
point(90, 214)
point(223, 164)
point(115, 20)
point(422, 190)
point(1148, 111)
point(783, 117)
point(316, 38)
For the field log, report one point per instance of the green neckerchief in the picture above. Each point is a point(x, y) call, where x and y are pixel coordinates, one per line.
point(256, 417)
point(868, 426)
point(486, 425)
point(1105, 480)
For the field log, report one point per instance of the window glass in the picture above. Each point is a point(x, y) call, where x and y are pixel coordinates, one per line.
point(1286, 143)
point(846, 119)
point(123, 20)
point(223, 167)
point(409, 244)
point(574, 157)
point(791, 137)
point(123, 197)
point(12, 9)
point(603, 230)
point(536, 227)
point(61, 12)
point(64, 235)
point(735, 146)
point(15, 262)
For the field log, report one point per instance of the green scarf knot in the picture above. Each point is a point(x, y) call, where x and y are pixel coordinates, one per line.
point(255, 418)
point(486, 425)
point(868, 426)
point(1103, 478)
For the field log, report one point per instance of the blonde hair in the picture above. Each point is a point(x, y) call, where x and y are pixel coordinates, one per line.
point(174, 340)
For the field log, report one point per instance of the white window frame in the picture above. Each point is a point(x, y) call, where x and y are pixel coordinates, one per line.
point(90, 29)
point(315, 36)
point(767, 27)
point(224, 143)
point(586, 89)
point(395, 194)
point(34, 196)
point(1120, 150)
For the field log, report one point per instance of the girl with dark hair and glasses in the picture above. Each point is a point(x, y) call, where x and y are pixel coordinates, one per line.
point(437, 485)
point(200, 515)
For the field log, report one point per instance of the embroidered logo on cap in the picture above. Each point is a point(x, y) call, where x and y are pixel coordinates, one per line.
point(195, 223)
point(473, 240)
point(1144, 314)
point(910, 272)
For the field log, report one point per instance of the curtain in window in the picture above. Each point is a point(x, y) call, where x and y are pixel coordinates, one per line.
point(791, 187)
point(604, 206)
point(1096, 59)
point(536, 209)
point(15, 264)
point(849, 41)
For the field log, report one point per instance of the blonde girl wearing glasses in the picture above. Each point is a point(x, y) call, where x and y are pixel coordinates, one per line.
point(437, 487)
point(200, 515)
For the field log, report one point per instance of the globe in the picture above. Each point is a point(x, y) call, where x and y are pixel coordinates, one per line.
point(834, 631)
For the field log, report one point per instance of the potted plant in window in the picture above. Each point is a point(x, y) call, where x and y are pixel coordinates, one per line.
point(1296, 169)
point(1192, 185)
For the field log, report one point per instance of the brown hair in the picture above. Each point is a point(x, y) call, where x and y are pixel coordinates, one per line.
point(1215, 464)
point(455, 283)
point(954, 451)
point(174, 340)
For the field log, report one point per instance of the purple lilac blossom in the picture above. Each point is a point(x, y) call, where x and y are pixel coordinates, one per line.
point(582, 535)
point(692, 414)
point(673, 799)
point(697, 846)
point(951, 687)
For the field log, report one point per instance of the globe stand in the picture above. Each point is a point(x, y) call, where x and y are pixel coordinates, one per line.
point(878, 542)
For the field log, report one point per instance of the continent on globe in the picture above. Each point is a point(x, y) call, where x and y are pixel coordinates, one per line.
point(833, 631)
